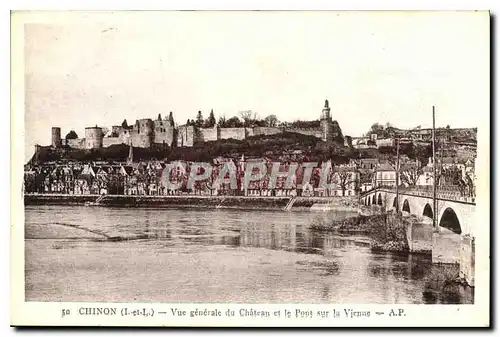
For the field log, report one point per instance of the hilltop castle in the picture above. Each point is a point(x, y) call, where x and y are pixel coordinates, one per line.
point(146, 132)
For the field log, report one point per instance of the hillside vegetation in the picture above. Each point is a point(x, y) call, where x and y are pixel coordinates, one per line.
point(284, 146)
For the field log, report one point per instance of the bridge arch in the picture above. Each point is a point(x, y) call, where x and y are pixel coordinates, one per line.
point(449, 220)
point(395, 203)
point(379, 199)
point(428, 211)
point(406, 206)
point(374, 200)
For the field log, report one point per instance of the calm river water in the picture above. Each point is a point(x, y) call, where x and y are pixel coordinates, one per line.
point(173, 255)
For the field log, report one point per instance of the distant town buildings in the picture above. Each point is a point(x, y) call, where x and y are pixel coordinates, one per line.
point(455, 160)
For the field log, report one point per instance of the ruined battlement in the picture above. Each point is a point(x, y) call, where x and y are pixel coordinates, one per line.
point(146, 131)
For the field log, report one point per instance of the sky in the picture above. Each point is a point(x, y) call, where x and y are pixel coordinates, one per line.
point(86, 69)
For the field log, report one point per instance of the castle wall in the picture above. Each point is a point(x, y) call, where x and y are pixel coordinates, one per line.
point(186, 136)
point(318, 133)
point(140, 140)
point(78, 143)
point(108, 141)
point(142, 133)
point(164, 135)
point(257, 131)
point(124, 136)
point(235, 133)
point(209, 134)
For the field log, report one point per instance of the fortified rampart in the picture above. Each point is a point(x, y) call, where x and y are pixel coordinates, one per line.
point(78, 143)
point(146, 132)
point(210, 134)
point(234, 133)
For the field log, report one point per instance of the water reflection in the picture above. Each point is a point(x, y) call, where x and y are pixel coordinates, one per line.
point(276, 236)
point(260, 256)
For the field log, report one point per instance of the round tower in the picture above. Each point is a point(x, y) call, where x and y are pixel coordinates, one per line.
point(93, 137)
point(326, 123)
point(56, 137)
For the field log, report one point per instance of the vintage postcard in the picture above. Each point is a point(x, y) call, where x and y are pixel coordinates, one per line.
point(250, 168)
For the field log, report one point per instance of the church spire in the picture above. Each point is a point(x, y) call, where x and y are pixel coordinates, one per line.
point(130, 158)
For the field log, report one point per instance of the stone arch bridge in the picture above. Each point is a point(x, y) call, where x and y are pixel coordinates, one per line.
point(454, 212)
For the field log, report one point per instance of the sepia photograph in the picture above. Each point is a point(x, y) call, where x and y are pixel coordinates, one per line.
point(252, 157)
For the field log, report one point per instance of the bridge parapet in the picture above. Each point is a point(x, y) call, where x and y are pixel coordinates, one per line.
point(451, 193)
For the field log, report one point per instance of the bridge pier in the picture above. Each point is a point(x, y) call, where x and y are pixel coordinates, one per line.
point(451, 248)
point(467, 260)
point(451, 243)
point(419, 236)
point(446, 247)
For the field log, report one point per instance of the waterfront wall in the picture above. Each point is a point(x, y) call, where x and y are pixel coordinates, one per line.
point(228, 202)
point(191, 201)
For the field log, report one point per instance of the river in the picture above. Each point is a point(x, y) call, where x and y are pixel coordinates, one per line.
point(77, 253)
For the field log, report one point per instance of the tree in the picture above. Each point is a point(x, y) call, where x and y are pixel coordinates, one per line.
point(449, 176)
point(248, 117)
point(305, 124)
point(124, 124)
point(222, 121)
point(210, 121)
point(199, 119)
point(410, 174)
point(71, 135)
point(376, 128)
point(344, 179)
point(422, 153)
point(271, 121)
point(234, 122)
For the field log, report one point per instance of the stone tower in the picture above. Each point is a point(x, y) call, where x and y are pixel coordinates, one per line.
point(56, 137)
point(326, 123)
point(93, 137)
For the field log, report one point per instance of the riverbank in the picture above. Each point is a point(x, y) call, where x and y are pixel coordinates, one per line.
point(194, 201)
point(386, 231)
